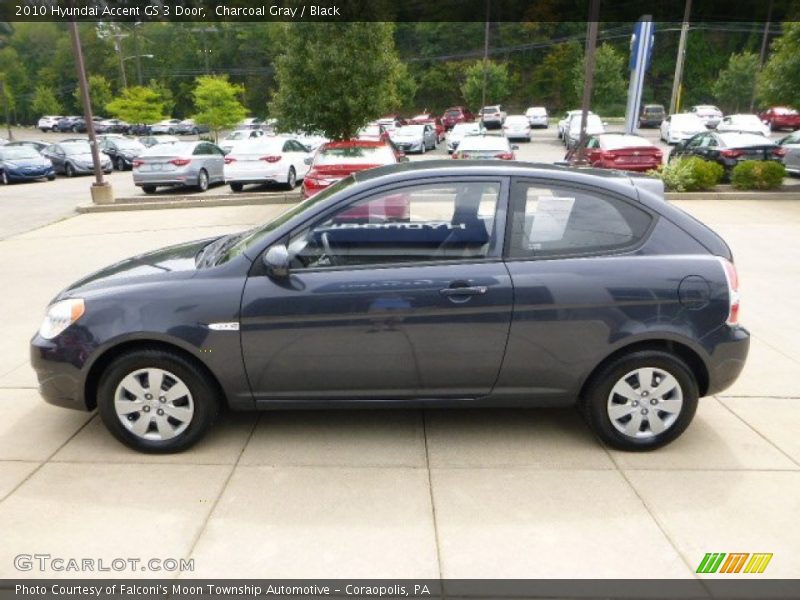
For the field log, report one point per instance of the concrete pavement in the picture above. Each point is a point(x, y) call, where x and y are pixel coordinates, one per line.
point(492, 493)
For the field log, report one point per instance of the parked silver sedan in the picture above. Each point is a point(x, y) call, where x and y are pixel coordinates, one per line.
point(791, 160)
point(414, 138)
point(196, 164)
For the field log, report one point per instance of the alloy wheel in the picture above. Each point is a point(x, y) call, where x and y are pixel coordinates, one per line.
point(645, 402)
point(154, 404)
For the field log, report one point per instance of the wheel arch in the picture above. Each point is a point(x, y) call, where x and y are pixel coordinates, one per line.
point(687, 354)
point(110, 354)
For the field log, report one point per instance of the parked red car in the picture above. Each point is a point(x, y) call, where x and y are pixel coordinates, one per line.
point(336, 160)
point(781, 117)
point(456, 114)
point(441, 132)
point(619, 151)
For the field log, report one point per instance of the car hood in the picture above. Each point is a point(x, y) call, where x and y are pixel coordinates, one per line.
point(160, 264)
point(26, 162)
point(86, 157)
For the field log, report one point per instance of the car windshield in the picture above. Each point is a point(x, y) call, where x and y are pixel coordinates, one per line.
point(484, 142)
point(223, 249)
point(170, 149)
point(355, 155)
point(453, 113)
point(464, 128)
point(537, 111)
point(785, 111)
point(516, 120)
point(411, 130)
point(260, 146)
point(18, 152)
point(744, 140)
point(238, 135)
point(750, 120)
point(127, 144)
point(76, 147)
point(616, 142)
point(691, 121)
point(374, 130)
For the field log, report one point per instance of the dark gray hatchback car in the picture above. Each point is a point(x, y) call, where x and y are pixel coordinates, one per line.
point(421, 284)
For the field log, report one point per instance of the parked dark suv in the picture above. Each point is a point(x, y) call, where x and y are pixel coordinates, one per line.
point(504, 284)
point(652, 116)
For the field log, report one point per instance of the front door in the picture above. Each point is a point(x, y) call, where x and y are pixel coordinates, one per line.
point(399, 294)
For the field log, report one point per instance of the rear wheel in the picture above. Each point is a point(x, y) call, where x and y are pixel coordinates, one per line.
point(291, 179)
point(149, 189)
point(119, 165)
point(156, 401)
point(69, 170)
point(202, 181)
point(237, 187)
point(641, 401)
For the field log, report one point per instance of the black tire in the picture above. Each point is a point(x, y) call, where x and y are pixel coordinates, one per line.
point(119, 165)
point(595, 402)
point(237, 187)
point(202, 181)
point(149, 189)
point(69, 170)
point(202, 388)
point(291, 179)
point(51, 178)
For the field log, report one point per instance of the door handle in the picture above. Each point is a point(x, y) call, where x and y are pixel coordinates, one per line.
point(476, 290)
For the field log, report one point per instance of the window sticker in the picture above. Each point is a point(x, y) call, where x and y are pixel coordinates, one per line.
point(550, 221)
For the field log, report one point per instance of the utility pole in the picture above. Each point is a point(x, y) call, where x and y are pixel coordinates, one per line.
point(118, 47)
point(485, 54)
point(588, 75)
point(763, 54)
point(138, 59)
point(102, 192)
point(5, 109)
point(677, 80)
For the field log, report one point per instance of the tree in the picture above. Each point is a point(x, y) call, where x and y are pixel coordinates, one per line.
point(217, 104)
point(498, 83)
point(735, 82)
point(550, 88)
point(780, 80)
point(609, 89)
point(99, 93)
point(138, 105)
point(44, 101)
point(333, 78)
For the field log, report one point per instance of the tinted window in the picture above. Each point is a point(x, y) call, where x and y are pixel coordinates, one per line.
point(442, 221)
point(550, 221)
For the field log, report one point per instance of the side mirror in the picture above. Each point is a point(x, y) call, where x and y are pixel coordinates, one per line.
point(276, 260)
point(307, 160)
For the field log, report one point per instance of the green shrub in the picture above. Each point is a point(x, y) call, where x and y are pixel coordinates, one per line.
point(691, 174)
point(758, 175)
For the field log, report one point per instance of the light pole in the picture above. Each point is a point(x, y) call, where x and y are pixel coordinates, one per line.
point(485, 55)
point(588, 77)
point(674, 101)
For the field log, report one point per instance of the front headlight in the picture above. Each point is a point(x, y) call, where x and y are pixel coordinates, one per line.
point(60, 316)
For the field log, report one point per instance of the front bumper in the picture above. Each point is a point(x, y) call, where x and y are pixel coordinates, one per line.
point(29, 175)
point(58, 365)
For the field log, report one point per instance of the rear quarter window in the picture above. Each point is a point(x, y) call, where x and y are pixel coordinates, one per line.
point(550, 221)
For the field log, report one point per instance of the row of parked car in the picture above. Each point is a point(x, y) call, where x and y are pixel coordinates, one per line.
point(77, 124)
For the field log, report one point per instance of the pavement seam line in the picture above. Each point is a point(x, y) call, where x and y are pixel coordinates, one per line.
point(430, 492)
point(757, 432)
point(224, 487)
point(49, 458)
point(653, 516)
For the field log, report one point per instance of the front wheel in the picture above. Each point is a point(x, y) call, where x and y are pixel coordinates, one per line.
point(157, 402)
point(149, 189)
point(237, 187)
point(69, 170)
point(641, 401)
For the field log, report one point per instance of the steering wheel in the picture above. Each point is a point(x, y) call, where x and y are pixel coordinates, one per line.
point(327, 247)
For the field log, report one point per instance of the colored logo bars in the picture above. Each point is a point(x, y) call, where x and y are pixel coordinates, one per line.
point(737, 562)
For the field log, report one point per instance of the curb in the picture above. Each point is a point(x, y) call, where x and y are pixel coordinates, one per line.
point(166, 202)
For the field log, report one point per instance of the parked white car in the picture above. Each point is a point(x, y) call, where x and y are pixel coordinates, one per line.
point(517, 127)
point(485, 147)
point(239, 135)
point(572, 133)
point(537, 116)
point(459, 130)
point(681, 126)
point(48, 122)
point(708, 114)
point(744, 123)
point(279, 159)
point(493, 115)
point(169, 126)
point(564, 122)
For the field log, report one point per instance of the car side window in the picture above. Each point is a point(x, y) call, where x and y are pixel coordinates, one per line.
point(696, 141)
point(441, 221)
point(551, 220)
point(708, 141)
point(593, 143)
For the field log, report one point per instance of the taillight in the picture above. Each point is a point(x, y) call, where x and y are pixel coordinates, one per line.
point(270, 159)
point(779, 152)
point(732, 277)
point(137, 163)
point(229, 160)
point(731, 153)
point(460, 155)
point(180, 162)
point(505, 156)
point(610, 155)
point(658, 154)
